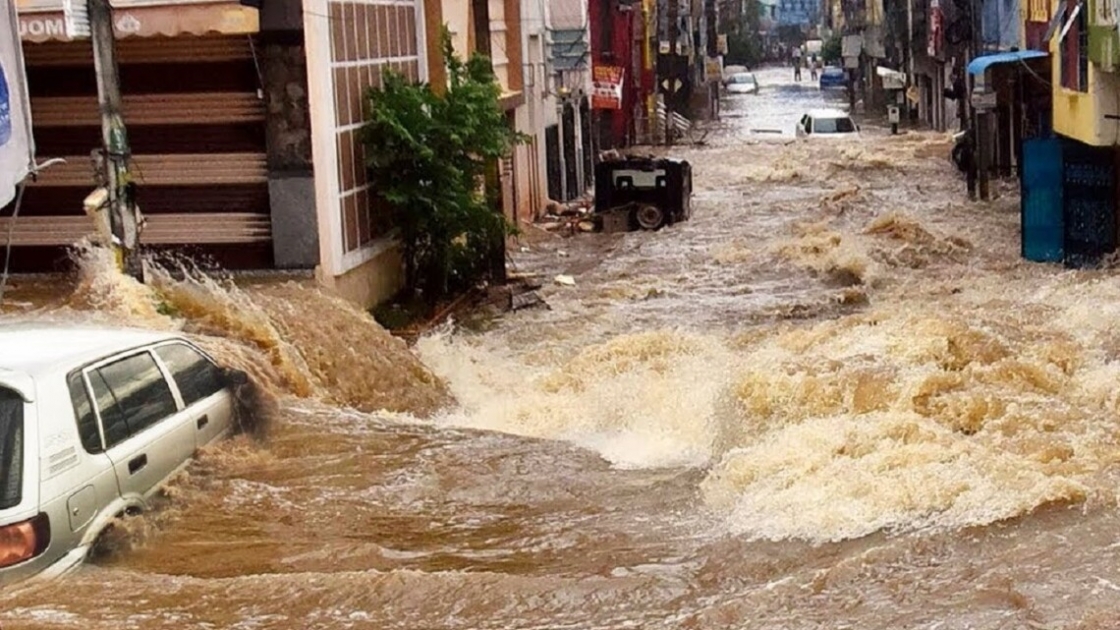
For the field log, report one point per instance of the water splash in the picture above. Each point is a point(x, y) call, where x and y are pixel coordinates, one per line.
point(290, 337)
point(641, 401)
point(898, 420)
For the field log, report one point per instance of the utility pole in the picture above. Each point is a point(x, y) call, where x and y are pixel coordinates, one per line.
point(671, 89)
point(983, 142)
point(909, 54)
point(115, 152)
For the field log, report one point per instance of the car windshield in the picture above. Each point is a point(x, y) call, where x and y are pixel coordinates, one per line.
point(833, 125)
point(11, 448)
point(743, 78)
point(833, 72)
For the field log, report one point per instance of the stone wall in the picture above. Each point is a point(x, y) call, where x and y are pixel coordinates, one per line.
point(284, 70)
point(291, 183)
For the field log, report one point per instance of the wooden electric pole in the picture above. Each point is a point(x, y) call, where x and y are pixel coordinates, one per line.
point(115, 152)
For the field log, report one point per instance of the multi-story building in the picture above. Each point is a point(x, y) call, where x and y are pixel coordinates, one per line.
point(502, 30)
point(245, 124)
point(622, 38)
point(568, 137)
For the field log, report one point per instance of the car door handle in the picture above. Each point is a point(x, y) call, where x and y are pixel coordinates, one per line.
point(203, 421)
point(136, 464)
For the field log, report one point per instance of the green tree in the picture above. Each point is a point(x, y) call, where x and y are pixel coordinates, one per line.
point(832, 49)
point(427, 154)
point(744, 45)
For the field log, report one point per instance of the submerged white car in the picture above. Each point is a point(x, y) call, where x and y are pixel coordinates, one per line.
point(92, 422)
point(829, 123)
point(742, 83)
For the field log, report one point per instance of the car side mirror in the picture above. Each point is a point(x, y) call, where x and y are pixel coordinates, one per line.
point(236, 378)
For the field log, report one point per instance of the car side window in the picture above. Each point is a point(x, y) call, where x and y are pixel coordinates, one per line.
point(83, 411)
point(132, 395)
point(195, 375)
point(112, 416)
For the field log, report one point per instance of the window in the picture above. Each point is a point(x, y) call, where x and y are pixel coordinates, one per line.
point(83, 412)
point(195, 375)
point(1039, 11)
point(642, 180)
point(131, 395)
point(1083, 52)
point(1073, 42)
point(833, 125)
point(480, 11)
point(11, 448)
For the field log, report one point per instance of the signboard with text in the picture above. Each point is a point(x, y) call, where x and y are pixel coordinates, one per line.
point(606, 87)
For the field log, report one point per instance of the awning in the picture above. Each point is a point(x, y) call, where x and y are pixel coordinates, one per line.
point(47, 20)
point(982, 63)
point(892, 79)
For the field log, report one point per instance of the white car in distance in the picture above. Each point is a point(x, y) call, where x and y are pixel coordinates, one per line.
point(742, 83)
point(827, 123)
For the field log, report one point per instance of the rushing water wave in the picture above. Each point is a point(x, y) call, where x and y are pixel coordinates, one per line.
point(835, 398)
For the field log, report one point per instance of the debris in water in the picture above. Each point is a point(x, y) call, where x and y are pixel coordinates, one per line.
point(530, 299)
point(567, 281)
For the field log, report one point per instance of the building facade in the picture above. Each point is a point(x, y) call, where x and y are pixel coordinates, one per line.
point(569, 148)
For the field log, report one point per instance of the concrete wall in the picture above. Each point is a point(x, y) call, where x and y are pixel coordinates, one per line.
point(372, 282)
point(1081, 115)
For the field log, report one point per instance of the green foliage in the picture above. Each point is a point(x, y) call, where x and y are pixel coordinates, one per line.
point(427, 154)
point(831, 50)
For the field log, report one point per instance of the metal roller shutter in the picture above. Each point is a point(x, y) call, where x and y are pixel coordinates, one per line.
point(196, 123)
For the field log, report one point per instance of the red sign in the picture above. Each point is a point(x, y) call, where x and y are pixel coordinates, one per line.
point(936, 28)
point(606, 87)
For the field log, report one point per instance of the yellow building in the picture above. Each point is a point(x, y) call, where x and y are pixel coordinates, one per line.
point(1086, 88)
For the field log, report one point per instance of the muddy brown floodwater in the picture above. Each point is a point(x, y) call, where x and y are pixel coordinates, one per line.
point(836, 398)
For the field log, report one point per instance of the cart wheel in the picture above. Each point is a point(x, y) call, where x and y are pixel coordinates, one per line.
point(650, 217)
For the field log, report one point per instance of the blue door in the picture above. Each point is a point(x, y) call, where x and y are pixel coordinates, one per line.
point(1043, 235)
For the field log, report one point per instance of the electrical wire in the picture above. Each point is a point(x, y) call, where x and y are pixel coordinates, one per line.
point(11, 234)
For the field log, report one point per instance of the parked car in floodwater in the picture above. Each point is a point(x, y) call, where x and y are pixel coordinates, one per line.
point(833, 78)
point(828, 123)
point(92, 422)
point(742, 83)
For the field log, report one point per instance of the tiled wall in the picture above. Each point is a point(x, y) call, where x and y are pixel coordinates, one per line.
point(367, 39)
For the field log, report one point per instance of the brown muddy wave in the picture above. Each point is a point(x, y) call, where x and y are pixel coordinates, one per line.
point(836, 400)
point(291, 337)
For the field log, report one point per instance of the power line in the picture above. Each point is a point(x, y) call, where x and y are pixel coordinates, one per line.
point(11, 234)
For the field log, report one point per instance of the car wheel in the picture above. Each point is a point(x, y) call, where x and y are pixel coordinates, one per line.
point(650, 217)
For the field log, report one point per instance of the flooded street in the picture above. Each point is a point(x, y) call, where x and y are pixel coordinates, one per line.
point(835, 398)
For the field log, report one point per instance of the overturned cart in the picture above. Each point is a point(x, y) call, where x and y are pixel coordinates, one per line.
point(642, 193)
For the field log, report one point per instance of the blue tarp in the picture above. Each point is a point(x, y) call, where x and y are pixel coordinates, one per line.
point(980, 64)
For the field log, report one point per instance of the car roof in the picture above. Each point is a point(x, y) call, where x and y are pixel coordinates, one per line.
point(828, 113)
point(32, 348)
